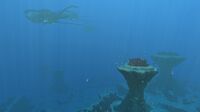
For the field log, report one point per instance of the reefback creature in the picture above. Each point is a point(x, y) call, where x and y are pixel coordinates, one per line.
point(46, 16)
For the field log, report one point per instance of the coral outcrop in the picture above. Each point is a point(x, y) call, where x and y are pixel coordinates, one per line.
point(137, 76)
point(165, 81)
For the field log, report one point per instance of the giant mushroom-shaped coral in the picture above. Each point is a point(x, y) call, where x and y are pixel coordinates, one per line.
point(166, 61)
point(137, 74)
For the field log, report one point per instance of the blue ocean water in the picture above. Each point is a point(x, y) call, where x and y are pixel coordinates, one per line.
point(33, 55)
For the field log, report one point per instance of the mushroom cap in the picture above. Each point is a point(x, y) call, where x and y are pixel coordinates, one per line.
point(137, 69)
point(167, 59)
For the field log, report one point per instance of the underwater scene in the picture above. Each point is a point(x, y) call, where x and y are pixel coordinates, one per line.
point(100, 56)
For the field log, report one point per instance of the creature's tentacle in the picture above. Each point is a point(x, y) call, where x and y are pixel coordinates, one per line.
point(68, 7)
point(67, 14)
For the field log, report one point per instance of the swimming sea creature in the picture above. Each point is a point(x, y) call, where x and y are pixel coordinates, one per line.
point(46, 16)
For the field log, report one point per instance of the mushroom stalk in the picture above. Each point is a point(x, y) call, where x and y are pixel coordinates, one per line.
point(137, 78)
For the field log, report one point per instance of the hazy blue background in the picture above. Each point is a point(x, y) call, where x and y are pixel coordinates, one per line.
point(121, 29)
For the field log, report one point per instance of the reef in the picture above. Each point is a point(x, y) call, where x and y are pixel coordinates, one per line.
point(171, 108)
point(105, 104)
point(137, 74)
point(18, 104)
